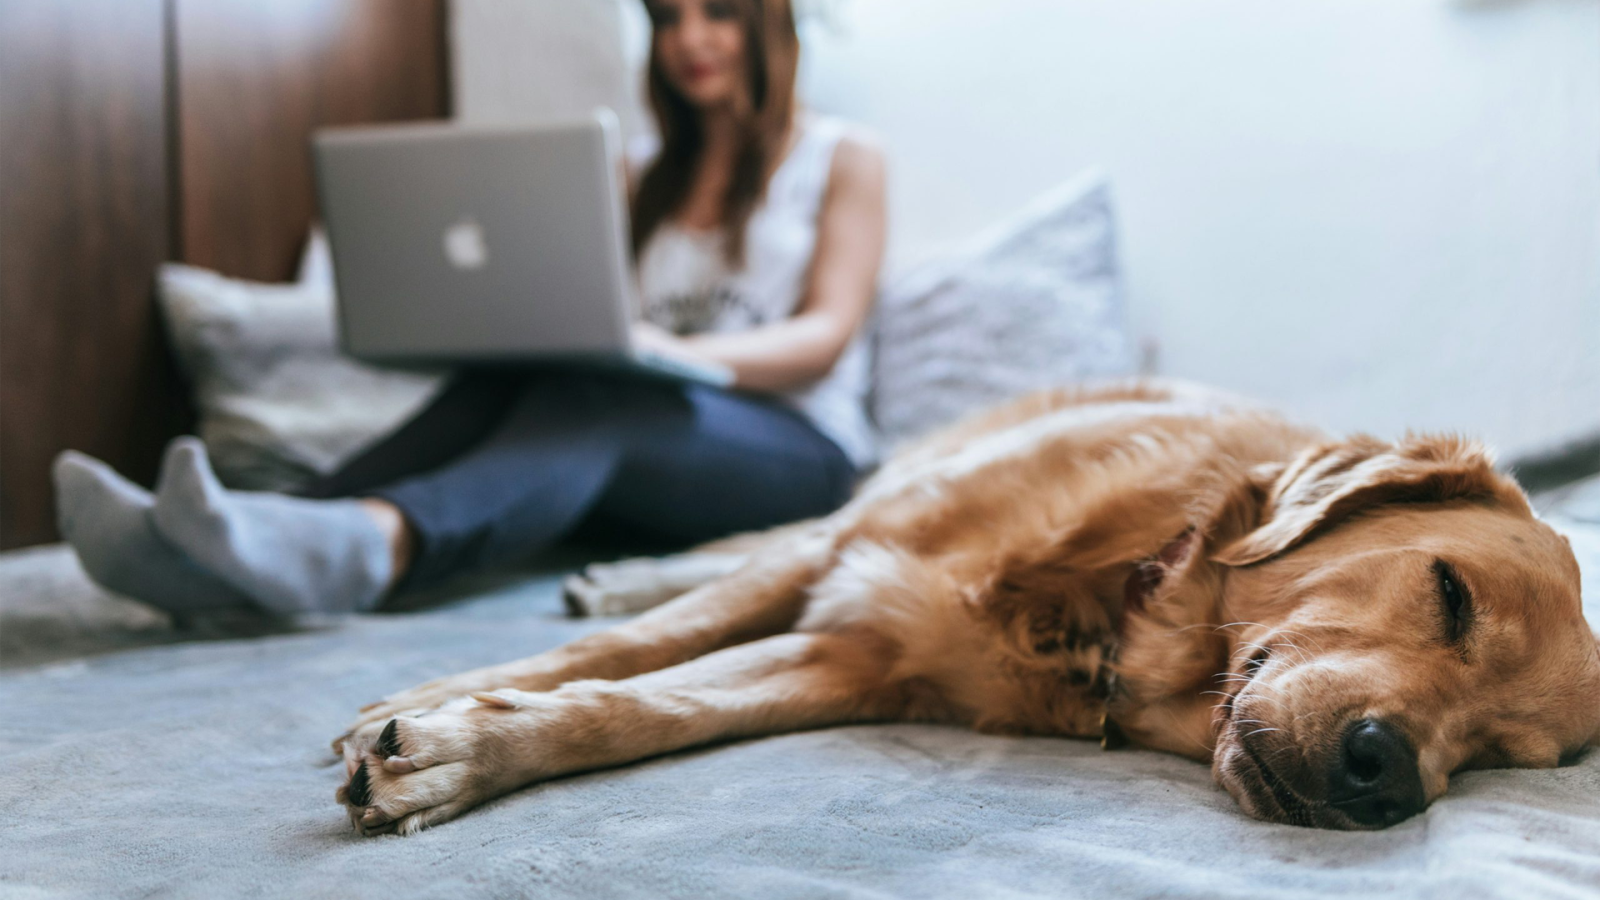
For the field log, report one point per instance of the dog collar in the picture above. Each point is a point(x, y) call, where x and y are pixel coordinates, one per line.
point(1142, 582)
point(1112, 737)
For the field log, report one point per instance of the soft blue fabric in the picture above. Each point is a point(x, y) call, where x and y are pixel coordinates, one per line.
point(201, 770)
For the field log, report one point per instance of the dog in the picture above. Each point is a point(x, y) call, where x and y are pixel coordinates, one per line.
point(1335, 626)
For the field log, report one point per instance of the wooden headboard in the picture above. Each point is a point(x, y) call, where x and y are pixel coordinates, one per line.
point(138, 131)
point(254, 80)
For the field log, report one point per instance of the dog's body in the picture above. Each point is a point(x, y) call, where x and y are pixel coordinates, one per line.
point(1152, 561)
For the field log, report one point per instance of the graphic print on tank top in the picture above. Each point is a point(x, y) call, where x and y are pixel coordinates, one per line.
point(718, 307)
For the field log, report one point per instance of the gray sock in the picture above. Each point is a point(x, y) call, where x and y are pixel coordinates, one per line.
point(107, 520)
point(293, 555)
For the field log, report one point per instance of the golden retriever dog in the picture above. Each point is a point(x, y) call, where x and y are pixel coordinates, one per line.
point(1335, 626)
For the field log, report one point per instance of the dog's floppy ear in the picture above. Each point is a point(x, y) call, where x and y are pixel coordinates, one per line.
point(1326, 483)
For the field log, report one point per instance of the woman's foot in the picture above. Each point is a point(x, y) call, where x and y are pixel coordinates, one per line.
point(107, 520)
point(291, 554)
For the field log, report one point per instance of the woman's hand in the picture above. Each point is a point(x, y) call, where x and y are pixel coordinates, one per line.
point(654, 339)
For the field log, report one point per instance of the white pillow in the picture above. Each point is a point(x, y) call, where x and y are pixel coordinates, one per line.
point(1034, 303)
point(279, 405)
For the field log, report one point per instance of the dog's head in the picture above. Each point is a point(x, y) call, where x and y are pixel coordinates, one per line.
point(1397, 615)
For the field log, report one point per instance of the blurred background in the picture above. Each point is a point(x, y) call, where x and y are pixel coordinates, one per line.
point(1374, 214)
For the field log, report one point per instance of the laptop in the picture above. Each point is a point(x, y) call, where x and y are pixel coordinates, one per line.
point(486, 245)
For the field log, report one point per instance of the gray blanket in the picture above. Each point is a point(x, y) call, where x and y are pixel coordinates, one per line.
point(200, 768)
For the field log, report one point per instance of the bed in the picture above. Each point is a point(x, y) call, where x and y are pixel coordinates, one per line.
point(141, 761)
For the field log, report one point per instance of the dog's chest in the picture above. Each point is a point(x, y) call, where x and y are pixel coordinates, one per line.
point(1051, 648)
point(1059, 630)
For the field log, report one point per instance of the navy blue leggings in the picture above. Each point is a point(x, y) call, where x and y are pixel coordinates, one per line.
point(503, 464)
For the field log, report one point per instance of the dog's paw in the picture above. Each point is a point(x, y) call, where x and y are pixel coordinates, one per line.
point(418, 700)
point(410, 772)
point(632, 586)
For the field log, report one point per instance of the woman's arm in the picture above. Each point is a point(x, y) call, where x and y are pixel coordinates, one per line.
point(843, 280)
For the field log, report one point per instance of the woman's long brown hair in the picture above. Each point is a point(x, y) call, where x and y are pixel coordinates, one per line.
point(772, 53)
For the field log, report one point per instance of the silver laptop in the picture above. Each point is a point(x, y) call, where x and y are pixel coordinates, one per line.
point(464, 244)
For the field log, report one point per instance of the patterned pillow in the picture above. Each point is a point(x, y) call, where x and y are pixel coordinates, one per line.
point(1036, 302)
point(279, 404)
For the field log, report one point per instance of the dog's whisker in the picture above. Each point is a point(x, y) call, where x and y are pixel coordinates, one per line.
point(1307, 637)
point(1288, 645)
point(1281, 751)
point(1267, 697)
point(1296, 719)
point(1238, 625)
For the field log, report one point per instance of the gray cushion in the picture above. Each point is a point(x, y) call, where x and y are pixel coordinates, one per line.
point(1034, 303)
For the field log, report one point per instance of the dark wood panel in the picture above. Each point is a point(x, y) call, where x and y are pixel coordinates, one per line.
point(83, 224)
point(134, 131)
point(254, 79)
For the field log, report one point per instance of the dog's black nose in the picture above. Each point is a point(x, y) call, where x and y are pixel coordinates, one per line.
point(1376, 780)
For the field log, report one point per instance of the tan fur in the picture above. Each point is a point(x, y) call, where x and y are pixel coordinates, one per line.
point(980, 577)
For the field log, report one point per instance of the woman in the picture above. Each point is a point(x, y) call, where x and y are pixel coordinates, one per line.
point(758, 234)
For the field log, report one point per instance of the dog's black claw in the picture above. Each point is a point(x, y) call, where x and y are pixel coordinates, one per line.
point(360, 789)
point(389, 741)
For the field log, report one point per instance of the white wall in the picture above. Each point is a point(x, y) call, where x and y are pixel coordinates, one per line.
point(1379, 214)
point(544, 59)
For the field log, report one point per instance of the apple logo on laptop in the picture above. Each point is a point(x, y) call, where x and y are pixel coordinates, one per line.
point(464, 245)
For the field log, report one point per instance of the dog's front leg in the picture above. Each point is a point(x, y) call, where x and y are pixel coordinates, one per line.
point(764, 597)
point(409, 773)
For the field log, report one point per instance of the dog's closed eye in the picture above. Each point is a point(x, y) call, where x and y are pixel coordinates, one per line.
point(1456, 600)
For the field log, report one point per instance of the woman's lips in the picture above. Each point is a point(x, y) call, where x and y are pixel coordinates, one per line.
point(698, 71)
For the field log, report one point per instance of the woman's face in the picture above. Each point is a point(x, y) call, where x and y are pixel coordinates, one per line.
point(700, 47)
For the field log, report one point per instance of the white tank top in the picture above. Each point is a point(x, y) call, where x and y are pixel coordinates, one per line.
point(686, 285)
